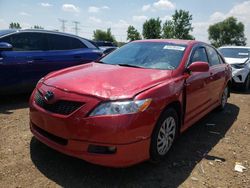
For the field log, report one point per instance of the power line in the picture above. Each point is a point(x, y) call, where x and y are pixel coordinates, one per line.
point(63, 24)
point(76, 27)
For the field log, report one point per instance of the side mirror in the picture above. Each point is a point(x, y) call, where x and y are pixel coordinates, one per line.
point(198, 66)
point(4, 46)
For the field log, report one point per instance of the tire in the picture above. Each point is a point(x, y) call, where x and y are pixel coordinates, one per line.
point(246, 84)
point(224, 97)
point(161, 141)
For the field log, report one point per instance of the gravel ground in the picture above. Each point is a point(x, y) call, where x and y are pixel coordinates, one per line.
point(204, 156)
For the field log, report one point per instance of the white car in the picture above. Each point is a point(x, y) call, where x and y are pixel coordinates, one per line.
point(239, 59)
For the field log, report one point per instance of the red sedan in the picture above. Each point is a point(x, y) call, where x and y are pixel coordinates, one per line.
point(132, 104)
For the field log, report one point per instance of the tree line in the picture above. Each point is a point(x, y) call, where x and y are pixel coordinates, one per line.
point(227, 32)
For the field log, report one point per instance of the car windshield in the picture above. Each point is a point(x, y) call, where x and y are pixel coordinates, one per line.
point(235, 52)
point(152, 55)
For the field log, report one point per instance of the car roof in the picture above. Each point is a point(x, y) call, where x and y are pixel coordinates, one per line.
point(175, 41)
point(10, 31)
point(240, 47)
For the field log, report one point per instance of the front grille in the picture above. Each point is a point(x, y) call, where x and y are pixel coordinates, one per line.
point(62, 107)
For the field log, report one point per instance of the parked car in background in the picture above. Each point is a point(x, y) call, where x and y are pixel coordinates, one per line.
point(28, 55)
point(238, 58)
point(106, 46)
point(132, 104)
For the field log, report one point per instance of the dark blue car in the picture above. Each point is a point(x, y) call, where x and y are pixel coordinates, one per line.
point(28, 55)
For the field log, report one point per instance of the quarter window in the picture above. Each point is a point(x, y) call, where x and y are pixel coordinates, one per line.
point(199, 55)
point(213, 56)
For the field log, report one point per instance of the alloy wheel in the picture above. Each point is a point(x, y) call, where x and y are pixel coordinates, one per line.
point(224, 97)
point(166, 135)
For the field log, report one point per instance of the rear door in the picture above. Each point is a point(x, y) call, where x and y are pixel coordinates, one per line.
point(65, 51)
point(197, 88)
point(217, 74)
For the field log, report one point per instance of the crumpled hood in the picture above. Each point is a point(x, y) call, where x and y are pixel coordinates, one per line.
point(236, 60)
point(106, 81)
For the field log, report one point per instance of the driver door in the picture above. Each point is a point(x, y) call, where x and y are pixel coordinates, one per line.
point(198, 98)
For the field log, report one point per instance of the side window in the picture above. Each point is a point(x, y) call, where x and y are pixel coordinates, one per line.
point(26, 41)
point(199, 55)
point(221, 60)
point(76, 44)
point(213, 56)
point(60, 42)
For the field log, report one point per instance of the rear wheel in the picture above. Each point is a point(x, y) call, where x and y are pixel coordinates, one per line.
point(164, 135)
point(224, 98)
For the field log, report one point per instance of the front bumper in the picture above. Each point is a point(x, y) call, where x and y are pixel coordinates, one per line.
point(73, 134)
point(126, 154)
point(239, 75)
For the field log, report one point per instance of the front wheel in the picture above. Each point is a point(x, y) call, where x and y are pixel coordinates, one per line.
point(164, 135)
point(246, 84)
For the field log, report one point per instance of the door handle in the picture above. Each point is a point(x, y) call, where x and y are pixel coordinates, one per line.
point(38, 59)
point(30, 61)
point(77, 57)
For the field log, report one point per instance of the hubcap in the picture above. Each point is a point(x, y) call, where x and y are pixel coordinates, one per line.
point(224, 97)
point(166, 135)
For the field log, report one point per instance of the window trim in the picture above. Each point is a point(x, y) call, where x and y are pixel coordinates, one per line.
point(218, 55)
point(195, 47)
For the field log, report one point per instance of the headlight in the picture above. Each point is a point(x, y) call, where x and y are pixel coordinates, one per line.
point(121, 107)
point(238, 66)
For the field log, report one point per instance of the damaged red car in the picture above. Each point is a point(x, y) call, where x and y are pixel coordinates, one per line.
point(131, 105)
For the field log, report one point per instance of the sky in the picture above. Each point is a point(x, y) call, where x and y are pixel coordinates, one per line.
point(119, 14)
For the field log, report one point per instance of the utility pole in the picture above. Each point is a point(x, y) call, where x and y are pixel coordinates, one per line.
point(63, 24)
point(76, 27)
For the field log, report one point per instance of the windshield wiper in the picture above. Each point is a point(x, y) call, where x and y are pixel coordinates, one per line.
point(99, 61)
point(129, 65)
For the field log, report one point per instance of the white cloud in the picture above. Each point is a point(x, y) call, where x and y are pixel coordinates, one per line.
point(24, 14)
point(95, 20)
point(46, 4)
point(159, 5)
point(70, 8)
point(139, 18)
point(217, 16)
point(167, 17)
point(146, 7)
point(240, 11)
point(105, 7)
point(94, 9)
point(121, 24)
point(164, 4)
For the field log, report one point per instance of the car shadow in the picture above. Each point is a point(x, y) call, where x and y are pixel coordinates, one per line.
point(240, 91)
point(188, 150)
point(13, 102)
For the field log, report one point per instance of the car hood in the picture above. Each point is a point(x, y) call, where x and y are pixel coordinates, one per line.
point(236, 60)
point(106, 81)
